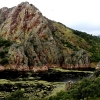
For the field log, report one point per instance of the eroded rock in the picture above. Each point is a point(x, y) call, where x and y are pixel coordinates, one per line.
point(35, 46)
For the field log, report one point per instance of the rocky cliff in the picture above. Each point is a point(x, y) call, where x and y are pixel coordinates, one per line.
point(39, 43)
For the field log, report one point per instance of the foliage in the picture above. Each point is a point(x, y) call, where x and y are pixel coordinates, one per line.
point(86, 89)
point(74, 40)
point(95, 57)
point(17, 95)
point(93, 41)
point(4, 61)
point(4, 47)
point(39, 99)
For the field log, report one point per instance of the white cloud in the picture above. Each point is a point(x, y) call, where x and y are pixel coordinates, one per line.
point(73, 13)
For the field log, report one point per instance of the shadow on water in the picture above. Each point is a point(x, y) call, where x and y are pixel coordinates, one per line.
point(58, 76)
point(8, 74)
point(50, 76)
point(77, 78)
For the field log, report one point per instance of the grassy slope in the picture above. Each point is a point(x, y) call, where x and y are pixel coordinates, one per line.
point(74, 40)
point(66, 34)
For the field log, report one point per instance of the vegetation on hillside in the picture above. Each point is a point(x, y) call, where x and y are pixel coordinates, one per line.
point(93, 41)
point(74, 40)
point(4, 47)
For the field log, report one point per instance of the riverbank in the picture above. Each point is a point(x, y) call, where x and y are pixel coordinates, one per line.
point(38, 85)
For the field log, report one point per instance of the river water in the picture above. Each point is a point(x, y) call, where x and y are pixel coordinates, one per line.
point(76, 78)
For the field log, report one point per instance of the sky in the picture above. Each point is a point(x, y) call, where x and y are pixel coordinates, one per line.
point(82, 15)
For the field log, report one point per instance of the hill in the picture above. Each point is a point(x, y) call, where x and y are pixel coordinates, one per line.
point(77, 40)
point(37, 43)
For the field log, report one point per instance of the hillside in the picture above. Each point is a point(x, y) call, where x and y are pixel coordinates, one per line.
point(37, 43)
point(81, 40)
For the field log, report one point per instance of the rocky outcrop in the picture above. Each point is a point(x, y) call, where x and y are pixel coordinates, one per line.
point(98, 66)
point(35, 46)
point(4, 14)
point(77, 60)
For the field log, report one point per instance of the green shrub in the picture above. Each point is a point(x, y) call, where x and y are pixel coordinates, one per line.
point(17, 95)
point(85, 89)
point(4, 61)
point(4, 48)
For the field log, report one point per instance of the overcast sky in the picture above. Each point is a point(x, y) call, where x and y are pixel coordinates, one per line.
point(83, 15)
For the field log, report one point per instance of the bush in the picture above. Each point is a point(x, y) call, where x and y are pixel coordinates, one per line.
point(85, 89)
point(4, 61)
point(17, 95)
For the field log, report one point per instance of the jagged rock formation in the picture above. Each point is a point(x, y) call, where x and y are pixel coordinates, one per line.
point(77, 60)
point(98, 66)
point(35, 43)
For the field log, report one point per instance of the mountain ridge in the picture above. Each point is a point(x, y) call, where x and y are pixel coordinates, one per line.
point(39, 43)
